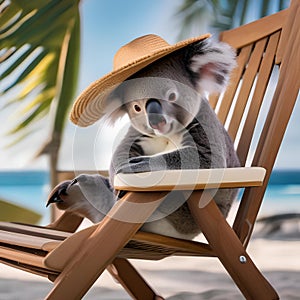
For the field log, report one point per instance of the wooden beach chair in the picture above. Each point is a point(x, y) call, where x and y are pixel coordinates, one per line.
point(73, 261)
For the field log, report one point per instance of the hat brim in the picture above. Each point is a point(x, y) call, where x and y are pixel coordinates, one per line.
point(90, 104)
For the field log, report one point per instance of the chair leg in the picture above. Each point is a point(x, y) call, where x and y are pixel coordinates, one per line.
point(106, 241)
point(229, 249)
point(124, 272)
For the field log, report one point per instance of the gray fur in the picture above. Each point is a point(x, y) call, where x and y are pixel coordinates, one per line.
point(188, 137)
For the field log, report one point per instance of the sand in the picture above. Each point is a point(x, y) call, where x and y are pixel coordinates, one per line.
point(179, 278)
point(277, 255)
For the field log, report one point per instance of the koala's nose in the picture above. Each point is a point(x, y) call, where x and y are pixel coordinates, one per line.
point(155, 113)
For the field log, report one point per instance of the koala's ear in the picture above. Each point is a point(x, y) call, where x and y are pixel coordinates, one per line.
point(209, 64)
point(114, 108)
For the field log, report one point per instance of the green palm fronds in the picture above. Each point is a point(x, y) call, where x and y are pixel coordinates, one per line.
point(225, 14)
point(39, 59)
point(194, 14)
point(233, 13)
point(11, 212)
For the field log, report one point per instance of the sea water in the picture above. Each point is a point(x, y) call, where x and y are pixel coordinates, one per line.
point(30, 189)
point(27, 189)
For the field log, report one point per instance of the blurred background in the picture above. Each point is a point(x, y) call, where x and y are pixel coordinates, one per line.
point(51, 50)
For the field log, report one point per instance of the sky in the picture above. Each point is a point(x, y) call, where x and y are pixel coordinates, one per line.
point(106, 26)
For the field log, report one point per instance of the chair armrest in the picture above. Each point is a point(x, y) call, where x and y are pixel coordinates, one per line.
point(197, 179)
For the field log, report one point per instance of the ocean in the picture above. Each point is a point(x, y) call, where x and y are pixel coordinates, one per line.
point(30, 189)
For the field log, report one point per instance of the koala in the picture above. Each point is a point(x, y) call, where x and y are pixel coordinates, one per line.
point(172, 126)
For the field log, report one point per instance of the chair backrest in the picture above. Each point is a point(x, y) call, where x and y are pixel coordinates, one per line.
point(268, 56)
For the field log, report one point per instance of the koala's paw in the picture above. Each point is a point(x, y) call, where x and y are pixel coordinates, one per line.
point(87, 195)
point(59, 192)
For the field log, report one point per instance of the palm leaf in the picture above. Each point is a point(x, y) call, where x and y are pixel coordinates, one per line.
point(37, 38)
point(192, 14)
point(10, 212)
point(69, 73)
point(226, 13)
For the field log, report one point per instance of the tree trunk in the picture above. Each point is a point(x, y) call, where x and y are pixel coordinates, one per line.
point(53, 157)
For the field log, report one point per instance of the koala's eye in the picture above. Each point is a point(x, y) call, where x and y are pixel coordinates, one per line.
point(172, 96)
point(137, 108)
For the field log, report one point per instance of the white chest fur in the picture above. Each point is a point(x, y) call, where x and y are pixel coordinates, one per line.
point(160, 144)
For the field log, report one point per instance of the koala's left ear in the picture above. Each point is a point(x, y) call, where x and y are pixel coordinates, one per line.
point(210, 63)
point(114, 108)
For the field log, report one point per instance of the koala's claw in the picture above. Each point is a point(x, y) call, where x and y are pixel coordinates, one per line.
point(60, 189)
point(74, 181)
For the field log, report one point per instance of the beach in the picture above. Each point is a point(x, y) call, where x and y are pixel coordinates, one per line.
point(185, 278)
point(179, 278)
point(276, 254)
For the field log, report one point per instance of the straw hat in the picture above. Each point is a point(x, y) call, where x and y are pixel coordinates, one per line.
point(137, 54)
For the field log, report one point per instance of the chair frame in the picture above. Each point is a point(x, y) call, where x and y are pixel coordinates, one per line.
point(55, 252)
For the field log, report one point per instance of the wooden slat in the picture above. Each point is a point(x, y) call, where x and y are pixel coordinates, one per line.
point(213, 100)
point(271, 137)
point(287, 89)
point(286, 29)
point(22, 257)
point(242, 61)
point(283, 103)
point(27, 241)
point(190, 179)
point(30, 268)
point(61, 255)
point(258, 96)
point(34, 230)
point(247, 83)
point(250, 33)
point(177, 246)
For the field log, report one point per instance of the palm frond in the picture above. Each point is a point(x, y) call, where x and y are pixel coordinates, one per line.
point(36, 38)
point(193, 14)
point(225, 14)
